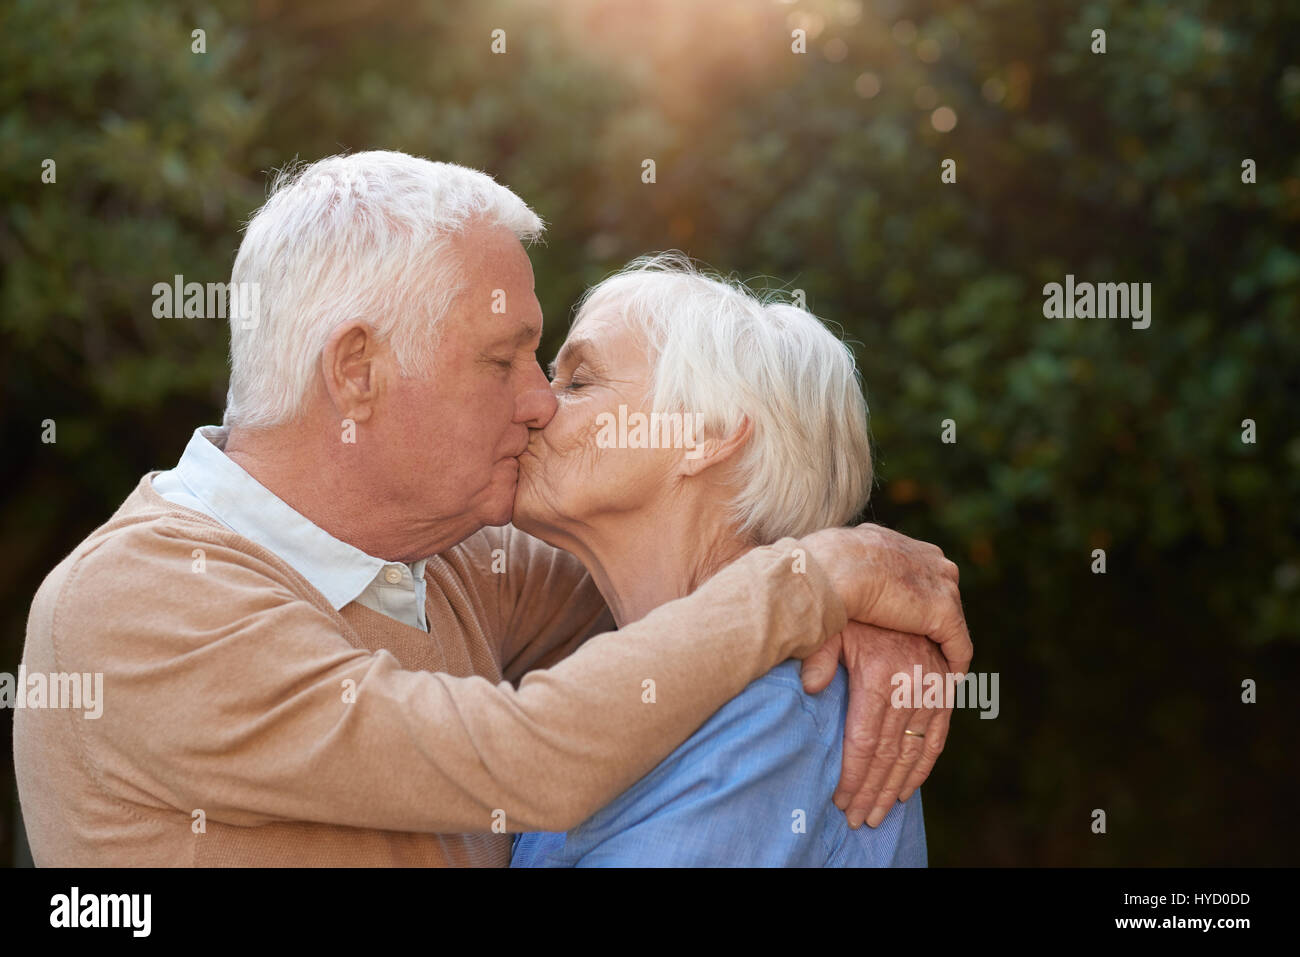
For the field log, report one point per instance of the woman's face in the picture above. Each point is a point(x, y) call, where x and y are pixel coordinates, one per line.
point(577, 474)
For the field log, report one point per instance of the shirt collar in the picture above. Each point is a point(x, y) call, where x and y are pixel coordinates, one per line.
point(336, 569)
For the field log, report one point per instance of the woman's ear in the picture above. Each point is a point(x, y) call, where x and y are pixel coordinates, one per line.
point(708, 453)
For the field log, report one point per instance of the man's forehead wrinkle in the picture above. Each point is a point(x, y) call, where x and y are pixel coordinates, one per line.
point(512, 329)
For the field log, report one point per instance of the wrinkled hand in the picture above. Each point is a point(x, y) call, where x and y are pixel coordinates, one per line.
point(901, 597)
point(891, 581)
point(881, 764)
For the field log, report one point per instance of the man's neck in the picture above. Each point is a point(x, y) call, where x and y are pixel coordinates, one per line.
point(317, 483)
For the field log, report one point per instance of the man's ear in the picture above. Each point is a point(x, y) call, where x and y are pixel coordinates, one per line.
point(710, 453)
point(348, 365)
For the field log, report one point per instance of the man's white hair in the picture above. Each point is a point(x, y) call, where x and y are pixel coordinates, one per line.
point(365, 236)
point(721, 350)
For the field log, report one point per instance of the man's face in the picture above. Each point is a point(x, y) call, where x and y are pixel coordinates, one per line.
point(455, 433)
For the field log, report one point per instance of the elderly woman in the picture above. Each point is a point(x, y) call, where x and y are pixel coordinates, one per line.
point(696, 422)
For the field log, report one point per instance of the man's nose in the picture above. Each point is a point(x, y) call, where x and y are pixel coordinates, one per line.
point(535, 404)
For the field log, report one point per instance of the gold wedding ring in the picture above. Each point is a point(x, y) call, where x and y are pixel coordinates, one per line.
point(919, 734)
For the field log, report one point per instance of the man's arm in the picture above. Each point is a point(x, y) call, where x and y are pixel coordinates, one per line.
point(227, 692)
point(892, 582)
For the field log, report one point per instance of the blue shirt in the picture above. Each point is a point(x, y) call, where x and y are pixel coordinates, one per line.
point(751, 788)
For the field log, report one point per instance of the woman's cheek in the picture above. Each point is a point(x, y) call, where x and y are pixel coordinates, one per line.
point(566, 438)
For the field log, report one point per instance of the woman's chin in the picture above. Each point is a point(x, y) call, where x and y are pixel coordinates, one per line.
point(529, 516)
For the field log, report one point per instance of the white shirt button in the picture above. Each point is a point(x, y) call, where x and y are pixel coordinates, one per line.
point(392, 576)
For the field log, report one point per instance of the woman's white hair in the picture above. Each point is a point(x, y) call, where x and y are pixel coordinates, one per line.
point(365, 236)
point(721, 350)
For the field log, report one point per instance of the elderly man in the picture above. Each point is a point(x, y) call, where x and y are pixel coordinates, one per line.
point(323, 644)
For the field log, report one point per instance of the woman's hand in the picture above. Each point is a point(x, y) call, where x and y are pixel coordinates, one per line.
point(881, 763)
point(893, 582)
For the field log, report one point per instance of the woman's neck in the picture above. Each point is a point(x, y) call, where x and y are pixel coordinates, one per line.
point(642, 560)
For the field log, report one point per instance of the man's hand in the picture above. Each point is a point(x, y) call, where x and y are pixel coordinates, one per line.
point(902, 601)
point(895, 582)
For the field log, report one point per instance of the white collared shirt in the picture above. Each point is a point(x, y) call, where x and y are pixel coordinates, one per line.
point(206, 480)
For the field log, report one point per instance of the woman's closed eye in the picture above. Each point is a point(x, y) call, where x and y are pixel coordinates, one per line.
point(577, 379)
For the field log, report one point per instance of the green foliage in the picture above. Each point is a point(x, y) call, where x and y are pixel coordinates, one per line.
point(1120, 691)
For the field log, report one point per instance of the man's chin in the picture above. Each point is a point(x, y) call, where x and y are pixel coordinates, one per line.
point(502, 506)
point(502, 513)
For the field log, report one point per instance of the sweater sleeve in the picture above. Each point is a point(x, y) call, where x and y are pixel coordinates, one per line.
point(225, 691)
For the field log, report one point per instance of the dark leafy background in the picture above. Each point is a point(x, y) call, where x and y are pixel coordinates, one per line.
point(1119, 691)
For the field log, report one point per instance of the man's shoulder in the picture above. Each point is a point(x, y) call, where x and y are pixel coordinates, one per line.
point(149, 547)
point(144, 529)
point(138, 594)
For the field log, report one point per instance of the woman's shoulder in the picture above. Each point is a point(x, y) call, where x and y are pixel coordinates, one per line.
point(782, 689)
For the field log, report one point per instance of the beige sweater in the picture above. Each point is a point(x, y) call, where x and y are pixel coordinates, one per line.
point(246, 722)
